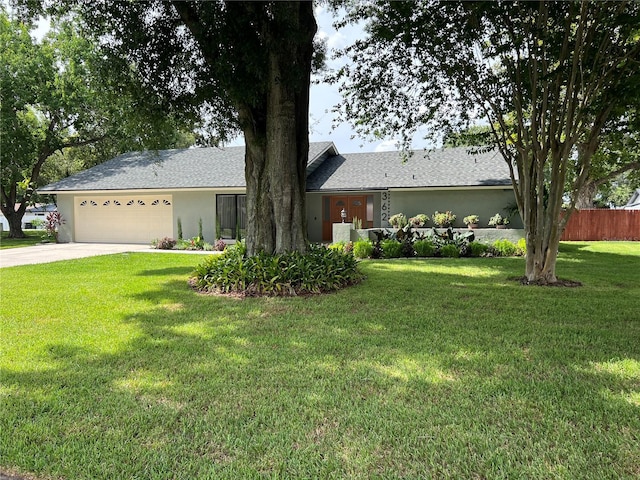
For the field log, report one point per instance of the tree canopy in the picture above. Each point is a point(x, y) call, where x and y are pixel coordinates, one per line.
point(58, 95)
point(548, 77)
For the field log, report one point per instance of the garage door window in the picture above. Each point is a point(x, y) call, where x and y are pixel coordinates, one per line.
point(231, 213)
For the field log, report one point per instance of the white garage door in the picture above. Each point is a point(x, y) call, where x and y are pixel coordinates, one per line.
point(123, 219)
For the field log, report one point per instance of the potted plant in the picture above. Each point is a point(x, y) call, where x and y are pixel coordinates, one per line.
point(471, 221)
point(398, 220)
point(498, 221)
point(419, 220)
point(444, 219)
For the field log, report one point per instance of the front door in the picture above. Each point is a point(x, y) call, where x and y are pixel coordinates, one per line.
point(353, 205)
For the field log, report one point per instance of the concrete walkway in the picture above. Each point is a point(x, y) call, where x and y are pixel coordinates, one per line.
point(54, 252)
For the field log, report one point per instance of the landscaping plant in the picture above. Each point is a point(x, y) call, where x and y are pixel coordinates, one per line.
point(294, 273)
point(443, 219)
point(165, 243)
point(424, 248)
point(391, 248)
point(363, 249)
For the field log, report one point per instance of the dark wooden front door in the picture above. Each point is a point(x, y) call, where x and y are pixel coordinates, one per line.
point(332, 206)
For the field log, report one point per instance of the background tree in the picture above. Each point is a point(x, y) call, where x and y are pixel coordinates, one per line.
point(615, 166)
point(55, 97)
point(547, 76)
point(246, 67)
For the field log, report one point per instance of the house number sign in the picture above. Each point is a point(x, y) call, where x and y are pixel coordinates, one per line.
point(385, 209)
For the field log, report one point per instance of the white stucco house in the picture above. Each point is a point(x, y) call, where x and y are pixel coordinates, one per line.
point(140, 196)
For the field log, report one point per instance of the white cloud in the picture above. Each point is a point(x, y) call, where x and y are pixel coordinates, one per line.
point(387, 146)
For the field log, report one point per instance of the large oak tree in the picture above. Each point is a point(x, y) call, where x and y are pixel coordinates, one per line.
point(547, 76)
point(246, 67)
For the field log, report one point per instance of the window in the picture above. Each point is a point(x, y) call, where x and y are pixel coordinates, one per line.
point(231, 215)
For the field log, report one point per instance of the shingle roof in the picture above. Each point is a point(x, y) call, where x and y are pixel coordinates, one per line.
point(327, 170)
point(169, 169)
point(451, 167)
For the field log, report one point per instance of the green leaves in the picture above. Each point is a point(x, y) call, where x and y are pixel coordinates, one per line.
point(318, 271)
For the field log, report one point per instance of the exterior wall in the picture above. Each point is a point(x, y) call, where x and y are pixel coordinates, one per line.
point(483, 202)
point(190, 207)
point(314, 217)
point(65, 207)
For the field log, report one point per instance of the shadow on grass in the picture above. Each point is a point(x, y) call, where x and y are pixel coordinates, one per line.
point(422, 371)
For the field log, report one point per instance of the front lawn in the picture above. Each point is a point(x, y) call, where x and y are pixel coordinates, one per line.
point(112, 367)
point(32, 237)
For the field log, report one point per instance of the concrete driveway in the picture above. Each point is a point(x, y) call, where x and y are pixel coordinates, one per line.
point(54, 252)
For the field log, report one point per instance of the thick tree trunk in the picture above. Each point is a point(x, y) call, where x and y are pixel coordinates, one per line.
point(586, 195)
point(274, 117)
point(277, 140)
point(15, 223)
point(14, 217)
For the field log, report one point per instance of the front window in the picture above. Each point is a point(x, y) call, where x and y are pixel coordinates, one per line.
point(231, 214)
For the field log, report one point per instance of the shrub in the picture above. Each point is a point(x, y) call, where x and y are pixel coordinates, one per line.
point(338, 246)
point(471, 219)
point(522, 247)
point(165, 243)
point(37, 223)
point(497, 219)
point(478, 249)
point(53, 223)
point(424, 248)
point(220, 245)
point(443, 219)
point(179, 229)
point(196, 243)
point(391, 248)
point(419, 220)
point(320, 270)
point(407, 248)
point(450, 250)
point(504, 248)
point(398, 220)
point(362, 249)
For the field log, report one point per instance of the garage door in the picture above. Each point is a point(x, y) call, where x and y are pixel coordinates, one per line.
point(120, 219)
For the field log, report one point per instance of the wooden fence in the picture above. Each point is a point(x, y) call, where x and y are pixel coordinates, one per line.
point(603, 224)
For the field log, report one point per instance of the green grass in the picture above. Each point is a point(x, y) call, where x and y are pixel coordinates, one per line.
point(32, 237)
point(112, 367)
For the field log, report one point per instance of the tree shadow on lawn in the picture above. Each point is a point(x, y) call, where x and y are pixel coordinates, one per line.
point(360, 383)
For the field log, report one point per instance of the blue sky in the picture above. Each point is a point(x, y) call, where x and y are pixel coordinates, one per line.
point(324, 97)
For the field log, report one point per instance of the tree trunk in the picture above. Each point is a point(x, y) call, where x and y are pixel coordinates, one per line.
point(586, 195)
point(277, 140)
point(274, 118)
point(15, 223)
point(13, 216)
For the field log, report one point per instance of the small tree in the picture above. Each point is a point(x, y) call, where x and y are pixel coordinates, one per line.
point(546, 77)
